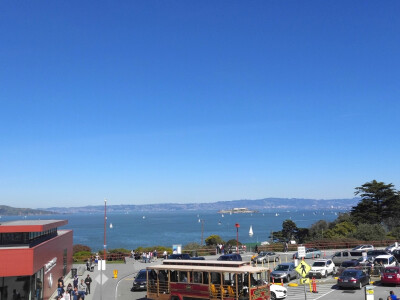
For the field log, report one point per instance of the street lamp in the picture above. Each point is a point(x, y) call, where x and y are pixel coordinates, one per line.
point(237, 237)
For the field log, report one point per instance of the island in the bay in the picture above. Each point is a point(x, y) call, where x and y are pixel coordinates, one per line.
point(238, 210)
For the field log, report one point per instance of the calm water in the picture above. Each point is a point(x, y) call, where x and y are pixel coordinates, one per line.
point(166, 228)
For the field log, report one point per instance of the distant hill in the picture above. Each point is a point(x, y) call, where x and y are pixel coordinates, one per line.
point(14, 211)
point(267, 204)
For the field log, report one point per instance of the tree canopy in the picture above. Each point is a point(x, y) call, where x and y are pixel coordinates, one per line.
point(379, 201)
point(214, 240)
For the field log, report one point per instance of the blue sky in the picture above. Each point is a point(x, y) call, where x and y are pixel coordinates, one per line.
point(196, 101)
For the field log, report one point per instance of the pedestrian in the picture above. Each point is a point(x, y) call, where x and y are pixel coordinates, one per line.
point(75, 294)
point(60, 288)
point(76, 281)
point(82, 289)
point(87, 265)
point(69, 289)
point(155, 254)
point(165, 254)
point(392, 296)
point(88, 281)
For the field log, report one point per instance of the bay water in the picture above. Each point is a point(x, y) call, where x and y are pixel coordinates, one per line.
point(134, 229)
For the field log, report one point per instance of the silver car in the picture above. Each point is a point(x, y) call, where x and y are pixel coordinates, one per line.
point(264, 257)
point(284, 272)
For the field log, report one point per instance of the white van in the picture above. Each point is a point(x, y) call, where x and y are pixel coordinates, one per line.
point(385, 260)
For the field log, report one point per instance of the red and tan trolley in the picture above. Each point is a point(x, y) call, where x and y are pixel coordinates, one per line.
point(207, 279)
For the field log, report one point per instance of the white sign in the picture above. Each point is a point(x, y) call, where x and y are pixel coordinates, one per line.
point(101, 278)
point(50, 265)
point(177, 249)
point(301, 251)
point(101, 265)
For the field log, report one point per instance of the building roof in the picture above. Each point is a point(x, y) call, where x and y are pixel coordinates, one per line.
point(30, 225)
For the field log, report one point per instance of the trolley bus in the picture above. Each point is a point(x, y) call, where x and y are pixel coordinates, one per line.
point(208, 279)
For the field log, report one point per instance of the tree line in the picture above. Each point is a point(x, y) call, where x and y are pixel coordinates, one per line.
point(373, 218)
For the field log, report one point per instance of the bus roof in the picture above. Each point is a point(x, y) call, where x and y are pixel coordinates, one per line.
point(215, 268)
point(210, 263)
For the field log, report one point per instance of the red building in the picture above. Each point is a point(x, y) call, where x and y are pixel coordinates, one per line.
point(33, 255)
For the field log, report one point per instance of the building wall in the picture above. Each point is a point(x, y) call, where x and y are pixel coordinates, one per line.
point(27, 261)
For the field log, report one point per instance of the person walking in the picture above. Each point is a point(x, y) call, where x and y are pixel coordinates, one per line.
point(76, 281)
point(392, 296)
point(82, 289)
point(88, 281)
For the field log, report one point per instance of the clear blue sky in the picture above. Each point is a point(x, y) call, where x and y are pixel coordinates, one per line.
point(196, 101)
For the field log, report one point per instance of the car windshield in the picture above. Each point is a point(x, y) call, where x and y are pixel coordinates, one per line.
point(282, 268)
point(391, 270)
point(347, 264)
point(141, 275)
point(263, 253)
point(223, 257)
point(381, 261)
point(319, 264)
point(349, 274)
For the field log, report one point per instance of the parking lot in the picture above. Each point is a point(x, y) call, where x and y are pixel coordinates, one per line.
point(120, 288)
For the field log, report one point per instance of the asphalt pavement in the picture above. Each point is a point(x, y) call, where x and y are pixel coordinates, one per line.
point(120, 288)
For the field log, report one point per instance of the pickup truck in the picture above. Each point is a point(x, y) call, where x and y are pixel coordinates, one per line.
point(342, 256)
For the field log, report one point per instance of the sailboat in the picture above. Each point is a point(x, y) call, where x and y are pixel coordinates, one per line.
point(222, 215)
point(251, 231)
point(276, 214)
point(111, 226)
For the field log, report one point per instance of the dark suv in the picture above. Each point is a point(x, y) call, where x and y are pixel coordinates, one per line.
point(139, 283)
point(179, 256)
point(230, 257)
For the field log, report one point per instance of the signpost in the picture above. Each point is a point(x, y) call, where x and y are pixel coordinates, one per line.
point(301, 251)
point(303, 268)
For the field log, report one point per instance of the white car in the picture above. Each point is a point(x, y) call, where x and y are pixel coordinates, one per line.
point(363, 248)
point(392, 247)
point(277, 291)
point(322, 268)
point(385, 261)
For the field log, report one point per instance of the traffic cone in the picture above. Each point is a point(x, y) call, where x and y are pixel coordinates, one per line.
point(314, 285)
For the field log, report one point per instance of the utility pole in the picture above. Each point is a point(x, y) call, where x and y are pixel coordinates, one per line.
point(202, 232)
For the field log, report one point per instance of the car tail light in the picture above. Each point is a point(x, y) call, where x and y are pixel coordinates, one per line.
point(398, 275)
point(353, 280)
point(340, 280)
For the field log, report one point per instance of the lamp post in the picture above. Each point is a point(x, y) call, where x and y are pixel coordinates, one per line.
point(237, 237)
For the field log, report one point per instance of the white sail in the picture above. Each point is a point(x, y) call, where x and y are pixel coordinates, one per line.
point(251, 230)
point(111, 226)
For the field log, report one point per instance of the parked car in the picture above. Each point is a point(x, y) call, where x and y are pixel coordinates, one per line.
point(140, 281)
point(390, 275)
point(363, 248)
point(264, 257)
point(374, 253)
point(277, 291)
point(342, 256)
point(349, 264)
point(387, 260)
point(230, 257)
point(179, 256)
point(322, 268)
point(310, 253)
point(392, 247)
point(396, 254)
point(353, 278)
point(284, 272)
